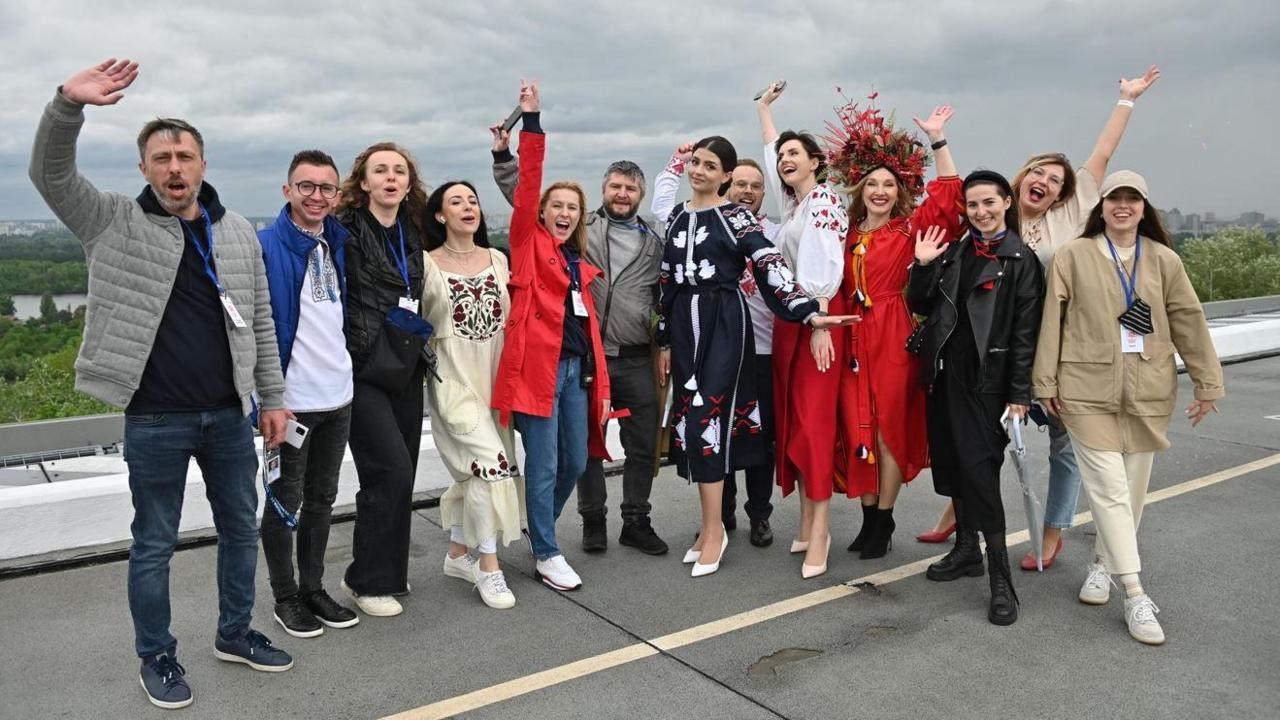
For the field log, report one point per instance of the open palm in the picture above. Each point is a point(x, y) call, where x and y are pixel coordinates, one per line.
point(102, 84)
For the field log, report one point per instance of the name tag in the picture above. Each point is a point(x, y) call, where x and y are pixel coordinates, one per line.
point(232, 312)
point(271, 464)
point(579, 305)
point(410, 304)
point(1130, 341)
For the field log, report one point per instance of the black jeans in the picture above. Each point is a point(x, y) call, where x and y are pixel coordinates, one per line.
point(308, 479)
point(759, 477)
point(632, 386)
point(386, 431)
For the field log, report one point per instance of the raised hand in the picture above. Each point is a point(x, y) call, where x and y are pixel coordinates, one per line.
point(932, 125)
point(102, 84)
point(684, 152)
point(770, 95)
point(930, 244)
point(501, 138)
point(529, 100)
point(1133, 89)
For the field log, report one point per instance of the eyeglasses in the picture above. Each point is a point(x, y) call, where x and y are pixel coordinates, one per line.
point(308, 188)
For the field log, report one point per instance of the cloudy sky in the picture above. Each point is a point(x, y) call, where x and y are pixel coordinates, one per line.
point(633, 80)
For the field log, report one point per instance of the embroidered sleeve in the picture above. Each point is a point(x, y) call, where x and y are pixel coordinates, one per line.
point(820, 253)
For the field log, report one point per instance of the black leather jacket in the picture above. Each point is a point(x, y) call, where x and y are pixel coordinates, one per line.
point(1005, 319)
point(374, 283)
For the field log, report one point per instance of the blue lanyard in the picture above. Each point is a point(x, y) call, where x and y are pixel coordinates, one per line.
point(1130, 283)
point(206, 253)
point(402, 260)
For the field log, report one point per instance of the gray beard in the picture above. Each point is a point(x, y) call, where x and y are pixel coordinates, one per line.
point(170, 206)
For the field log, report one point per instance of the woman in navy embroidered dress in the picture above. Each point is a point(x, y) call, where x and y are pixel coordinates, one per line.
point(705, 332)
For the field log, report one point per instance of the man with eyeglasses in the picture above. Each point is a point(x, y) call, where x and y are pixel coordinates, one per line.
point(306, 271)
point(628, 251)
point(179, 334)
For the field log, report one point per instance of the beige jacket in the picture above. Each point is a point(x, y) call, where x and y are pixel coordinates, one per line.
point(1078, 358)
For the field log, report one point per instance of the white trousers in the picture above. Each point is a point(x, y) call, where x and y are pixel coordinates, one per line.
point(1115, 484)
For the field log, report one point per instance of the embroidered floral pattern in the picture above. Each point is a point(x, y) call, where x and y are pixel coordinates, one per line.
point(477, 306)
point(501, 469)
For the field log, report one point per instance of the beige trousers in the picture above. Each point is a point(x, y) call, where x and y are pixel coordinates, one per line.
point(1116, 485)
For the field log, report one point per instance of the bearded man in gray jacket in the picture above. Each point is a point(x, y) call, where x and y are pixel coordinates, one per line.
point(178, 333)
point(628, 252)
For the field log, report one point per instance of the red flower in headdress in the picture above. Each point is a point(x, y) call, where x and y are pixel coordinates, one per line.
point(865, 140)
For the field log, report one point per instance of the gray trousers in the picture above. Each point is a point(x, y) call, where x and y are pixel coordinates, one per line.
point(308, 479)
point(632, 387)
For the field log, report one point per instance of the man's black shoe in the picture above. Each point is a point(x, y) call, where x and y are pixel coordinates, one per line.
point(639, 534)
point(296, 619)
point(328, 611)
point(761, 535)
point(163, 679)
point(595, 538)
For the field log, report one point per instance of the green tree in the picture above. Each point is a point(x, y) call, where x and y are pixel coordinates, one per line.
point(6, 305)
point(48, 309)
point(1234, 263)
point(48, 391)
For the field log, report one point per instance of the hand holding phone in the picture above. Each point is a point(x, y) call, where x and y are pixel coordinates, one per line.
point(295, 433)
point(781, 85)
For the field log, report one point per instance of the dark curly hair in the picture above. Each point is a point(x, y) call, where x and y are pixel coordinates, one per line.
point(415, 202)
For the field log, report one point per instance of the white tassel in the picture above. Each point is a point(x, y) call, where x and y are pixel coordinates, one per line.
point(692, 385)
point(697, 399)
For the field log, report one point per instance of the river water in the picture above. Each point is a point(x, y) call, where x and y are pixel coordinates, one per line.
point(28, 306)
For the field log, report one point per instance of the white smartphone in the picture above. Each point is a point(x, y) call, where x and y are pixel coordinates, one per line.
point(295, 433)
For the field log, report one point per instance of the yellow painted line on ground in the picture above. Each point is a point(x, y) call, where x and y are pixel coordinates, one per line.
point(706, 631)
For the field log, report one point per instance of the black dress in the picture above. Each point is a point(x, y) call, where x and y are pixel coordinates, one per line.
point(703, 317)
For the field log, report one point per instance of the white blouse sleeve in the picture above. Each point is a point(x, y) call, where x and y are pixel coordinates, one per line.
point(786, 202)
point(1077, 207)
point(665, 188)
point(820, 253)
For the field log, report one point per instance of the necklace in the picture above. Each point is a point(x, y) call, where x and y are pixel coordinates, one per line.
point(460, 253)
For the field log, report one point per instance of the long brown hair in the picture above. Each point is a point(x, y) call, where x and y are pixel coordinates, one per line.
point(415, 201)
point(578, 238)
point(1149, 226)
point(902, 207)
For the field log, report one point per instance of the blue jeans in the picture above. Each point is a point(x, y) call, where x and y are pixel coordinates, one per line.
point(555, 455)
point(1064, 478)
point(157, 449)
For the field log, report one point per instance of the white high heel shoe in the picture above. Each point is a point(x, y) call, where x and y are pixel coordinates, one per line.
point(699, 569)
point(799, 546)
point(691, 556)
point(811, 571)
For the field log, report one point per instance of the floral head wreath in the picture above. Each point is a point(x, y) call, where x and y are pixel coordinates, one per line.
point(865, 140)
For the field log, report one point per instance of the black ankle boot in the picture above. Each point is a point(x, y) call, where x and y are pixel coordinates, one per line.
point(868, 528)
point(1004, 601)
point(594, 537)
point(964, 559)
point(882, 539)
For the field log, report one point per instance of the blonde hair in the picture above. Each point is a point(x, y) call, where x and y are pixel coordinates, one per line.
point(902, 207)
point(1068, 180)
point(578, 238)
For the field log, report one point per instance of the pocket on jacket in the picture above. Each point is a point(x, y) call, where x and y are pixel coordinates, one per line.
point(454, 406)
point(1086, 372)
point(1157, 376)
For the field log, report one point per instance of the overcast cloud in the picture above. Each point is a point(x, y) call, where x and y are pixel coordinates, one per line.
point(634, 79)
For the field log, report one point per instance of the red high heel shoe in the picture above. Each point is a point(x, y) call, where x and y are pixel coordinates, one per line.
point(940, 537)
point(1029, 560)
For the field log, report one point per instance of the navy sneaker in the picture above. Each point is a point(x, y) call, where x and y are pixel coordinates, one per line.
point(253, 649)
point(163, 679)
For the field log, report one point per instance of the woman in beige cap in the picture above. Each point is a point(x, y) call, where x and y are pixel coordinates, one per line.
point(1118, 305)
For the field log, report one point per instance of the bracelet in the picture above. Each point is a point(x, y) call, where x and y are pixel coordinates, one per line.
point(942, 143)
point(1125, 102)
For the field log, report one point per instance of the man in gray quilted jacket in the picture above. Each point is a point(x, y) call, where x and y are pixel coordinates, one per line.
point(179, 334)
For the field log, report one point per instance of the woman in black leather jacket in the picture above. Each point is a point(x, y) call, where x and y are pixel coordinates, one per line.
point(383, 200)
point(982, 296)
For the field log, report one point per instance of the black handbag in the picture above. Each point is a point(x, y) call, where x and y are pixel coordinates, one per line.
point(397, 350)
point(915, 341)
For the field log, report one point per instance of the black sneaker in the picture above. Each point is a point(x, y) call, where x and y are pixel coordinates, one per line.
point(253, 649)
point(761, 534)
point(164, 681)
point(296, 619)
point(328, 611)
point(594, 535)
point(639, 534)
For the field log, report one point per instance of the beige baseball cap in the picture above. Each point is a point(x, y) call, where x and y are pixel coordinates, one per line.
point(1124, 179)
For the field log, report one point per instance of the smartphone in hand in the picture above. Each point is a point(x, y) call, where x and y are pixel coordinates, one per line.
point(295, 433)
point(510, 122)
point(782, 85)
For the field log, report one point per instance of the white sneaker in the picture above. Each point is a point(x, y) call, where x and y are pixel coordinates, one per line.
point(462, 567)
point(555, 572)
point(493, 589)
point(1140, 616)
point(375, 605)
point(1097, 587)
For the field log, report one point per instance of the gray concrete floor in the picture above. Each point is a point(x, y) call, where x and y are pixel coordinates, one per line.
point(910, 649)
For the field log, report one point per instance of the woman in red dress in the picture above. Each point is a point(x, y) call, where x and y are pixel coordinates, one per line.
point(881, 406)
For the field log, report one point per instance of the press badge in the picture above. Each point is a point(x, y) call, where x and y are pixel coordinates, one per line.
point(579, 307)
point(232, 312)
point(1130, 341)
point(270, 464)
point(409, 304)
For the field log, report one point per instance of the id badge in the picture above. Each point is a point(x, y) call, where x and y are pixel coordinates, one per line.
point(270, 465)
point(579, 306)
point(1130, 341)
point(232, 312)
point(410, 304)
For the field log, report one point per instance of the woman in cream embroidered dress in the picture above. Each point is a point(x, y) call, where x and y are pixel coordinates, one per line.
point(465, 299)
